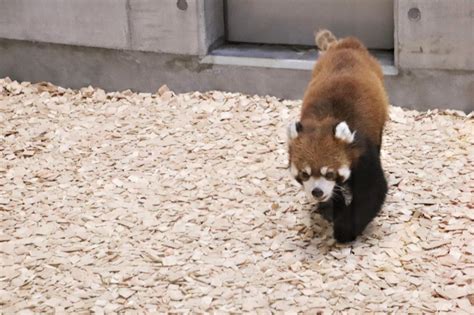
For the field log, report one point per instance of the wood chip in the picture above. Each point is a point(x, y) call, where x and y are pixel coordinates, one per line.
point(175, 295)
point(452, 292)
point(164, 88)
point(436, 244)
point(471, 298)
point(117, 182)
point(125, 293)
point(169, 261)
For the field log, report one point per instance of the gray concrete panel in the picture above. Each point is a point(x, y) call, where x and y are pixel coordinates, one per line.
point(79, 22)
point(436, 34)
point(143, 25)
point(161, 26)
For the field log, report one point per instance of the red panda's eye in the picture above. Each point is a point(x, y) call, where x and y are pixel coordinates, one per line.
point(330, 176)
point(304, 176)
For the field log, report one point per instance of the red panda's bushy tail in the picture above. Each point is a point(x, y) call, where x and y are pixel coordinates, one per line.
point(324, 38)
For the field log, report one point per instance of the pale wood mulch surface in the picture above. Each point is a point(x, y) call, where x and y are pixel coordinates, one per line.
point(116, 202)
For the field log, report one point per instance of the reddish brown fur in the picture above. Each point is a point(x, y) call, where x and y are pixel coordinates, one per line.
point(346, 85)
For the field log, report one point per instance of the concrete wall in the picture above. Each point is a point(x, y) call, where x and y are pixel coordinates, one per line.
point(141, 44)
point(435, 34)
point(143, 25)
point(77, 67)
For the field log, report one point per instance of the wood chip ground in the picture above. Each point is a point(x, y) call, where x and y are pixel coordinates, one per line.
point(159, 203)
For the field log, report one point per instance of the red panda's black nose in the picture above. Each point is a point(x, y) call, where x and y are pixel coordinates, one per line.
point(317, 193)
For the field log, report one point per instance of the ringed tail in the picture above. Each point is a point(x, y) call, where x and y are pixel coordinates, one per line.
point(324, 39)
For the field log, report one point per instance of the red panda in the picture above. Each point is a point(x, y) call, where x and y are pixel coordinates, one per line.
point(334, 149)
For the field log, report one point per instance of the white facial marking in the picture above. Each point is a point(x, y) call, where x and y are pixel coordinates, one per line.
point(343, 133)
point(293, 170)
point(322, 183)
point(324, 170)
point(344, 172)
point(307, 169)
point(307, 186)
point(291, 131)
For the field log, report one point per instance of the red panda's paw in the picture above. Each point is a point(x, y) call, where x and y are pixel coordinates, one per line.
point(343, 233)
point(326, 211)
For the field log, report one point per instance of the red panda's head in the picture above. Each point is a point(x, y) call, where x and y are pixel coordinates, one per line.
point(320, 155)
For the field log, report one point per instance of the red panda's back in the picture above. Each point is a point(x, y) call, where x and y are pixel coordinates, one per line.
point(347, 84)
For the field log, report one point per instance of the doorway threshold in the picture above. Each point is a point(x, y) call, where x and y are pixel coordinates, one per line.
point(281, 57)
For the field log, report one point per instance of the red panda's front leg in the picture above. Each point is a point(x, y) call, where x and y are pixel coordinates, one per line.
point(344, 230)
point(369, 188)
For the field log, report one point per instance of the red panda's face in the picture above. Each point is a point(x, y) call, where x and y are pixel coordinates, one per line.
point(319, 156)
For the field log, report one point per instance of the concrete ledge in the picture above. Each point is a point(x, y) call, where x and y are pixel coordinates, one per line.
point(290, 64)
point(280, 57)
point(429, 89)
point(75, 67)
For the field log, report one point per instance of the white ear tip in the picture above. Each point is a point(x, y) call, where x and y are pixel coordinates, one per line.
point(343, 132)
point(343, 124)
point(344, 172)
point(292, 131)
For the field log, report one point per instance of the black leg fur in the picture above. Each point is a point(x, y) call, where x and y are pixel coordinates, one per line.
point(325, 209)
point(369, 188)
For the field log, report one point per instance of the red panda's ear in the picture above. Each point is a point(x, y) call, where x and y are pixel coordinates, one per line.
point(343, 133)
point(294, 129)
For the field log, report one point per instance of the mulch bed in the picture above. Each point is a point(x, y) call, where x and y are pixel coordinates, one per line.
point(116, 202)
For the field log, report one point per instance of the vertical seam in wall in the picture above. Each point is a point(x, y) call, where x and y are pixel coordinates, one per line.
point(226, 19)
point(396, 46)
point(201, 25)
point(129, 25)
